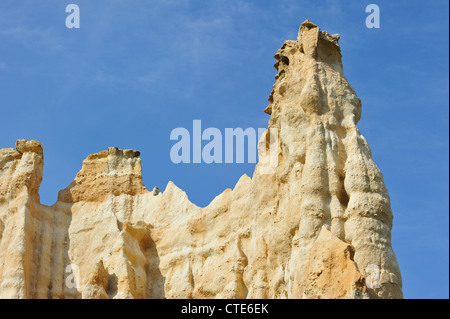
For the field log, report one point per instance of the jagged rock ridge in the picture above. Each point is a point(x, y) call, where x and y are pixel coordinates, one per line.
point(309, 230)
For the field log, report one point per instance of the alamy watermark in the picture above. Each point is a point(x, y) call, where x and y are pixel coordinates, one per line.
point(73, 277)
point(73, 19)
point(373, 19)
point(372, 276)
point(231, 149)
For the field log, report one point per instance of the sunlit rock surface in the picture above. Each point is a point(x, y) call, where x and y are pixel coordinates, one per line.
point(309, 229)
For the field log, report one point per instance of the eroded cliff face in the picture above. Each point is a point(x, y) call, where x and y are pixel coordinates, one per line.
point(309, 229)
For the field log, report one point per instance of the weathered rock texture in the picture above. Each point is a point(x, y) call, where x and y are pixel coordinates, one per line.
point(308, 230)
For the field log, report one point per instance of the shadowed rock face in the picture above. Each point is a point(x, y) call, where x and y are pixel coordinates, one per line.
point(309, 229)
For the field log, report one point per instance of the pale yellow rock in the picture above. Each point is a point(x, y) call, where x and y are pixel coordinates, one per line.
point(331, 272)
point(97, 285)
point(309, 229)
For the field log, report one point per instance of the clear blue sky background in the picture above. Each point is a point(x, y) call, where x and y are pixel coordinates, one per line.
point(137, 69)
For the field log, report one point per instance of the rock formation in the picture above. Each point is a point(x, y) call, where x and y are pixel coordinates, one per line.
point(309, 229)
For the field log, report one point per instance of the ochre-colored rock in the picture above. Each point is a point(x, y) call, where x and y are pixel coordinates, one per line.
point(97, 285)
point(314, 227)
point(108, 172)
point(331, 272)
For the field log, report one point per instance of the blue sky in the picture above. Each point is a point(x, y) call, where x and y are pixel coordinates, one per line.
point(135, 70)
